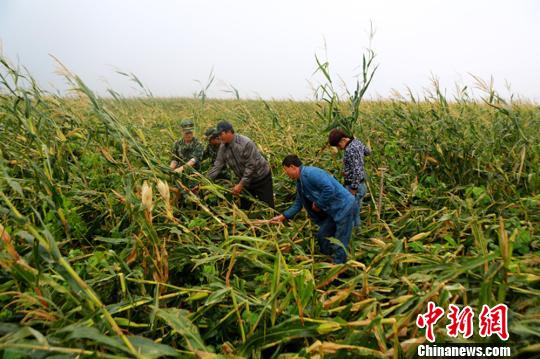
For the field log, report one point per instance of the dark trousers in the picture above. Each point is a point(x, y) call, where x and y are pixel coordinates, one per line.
point(262, 190)
point(341, 230)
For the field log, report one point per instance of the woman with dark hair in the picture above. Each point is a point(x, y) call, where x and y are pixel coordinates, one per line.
point(353, 163)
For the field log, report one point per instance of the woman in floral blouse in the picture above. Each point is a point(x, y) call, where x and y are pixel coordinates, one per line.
point(353, 163)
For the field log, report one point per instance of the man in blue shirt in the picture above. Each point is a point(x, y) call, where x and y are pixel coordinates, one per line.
point(327, 203)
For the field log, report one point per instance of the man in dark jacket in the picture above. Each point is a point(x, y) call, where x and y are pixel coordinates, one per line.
point(327, 203)
point(241, 155)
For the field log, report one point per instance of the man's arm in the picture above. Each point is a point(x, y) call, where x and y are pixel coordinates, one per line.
point(219, 163)
point(295, 208)
point(197, 154)
point(174, 157)
point(195, 159)
point(289, 213)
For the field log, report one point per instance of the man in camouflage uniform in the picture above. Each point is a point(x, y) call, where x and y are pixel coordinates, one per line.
point(211, 151)
point(187, 151)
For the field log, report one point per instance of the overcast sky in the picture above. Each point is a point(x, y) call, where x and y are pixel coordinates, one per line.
point(267, 48)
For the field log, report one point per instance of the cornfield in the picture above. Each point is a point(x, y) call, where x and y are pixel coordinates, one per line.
point(106, 253)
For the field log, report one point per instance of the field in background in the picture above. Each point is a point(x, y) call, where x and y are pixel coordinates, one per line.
point(98, 258)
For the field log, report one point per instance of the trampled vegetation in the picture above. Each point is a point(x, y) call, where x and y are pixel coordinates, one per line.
point(105, 253)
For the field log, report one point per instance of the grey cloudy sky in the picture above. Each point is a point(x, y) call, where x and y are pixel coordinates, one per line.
point(267, 48)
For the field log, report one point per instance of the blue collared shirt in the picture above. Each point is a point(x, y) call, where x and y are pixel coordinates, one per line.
point(317, 186)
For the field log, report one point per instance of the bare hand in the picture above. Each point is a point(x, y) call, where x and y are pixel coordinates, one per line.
point(278, 219)
point(315, 208)
point(237, 189)
point(179, 169)
point(353, 191)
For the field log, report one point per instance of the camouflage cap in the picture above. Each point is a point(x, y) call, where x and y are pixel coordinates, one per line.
point(187, 125)
point(211, 133)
